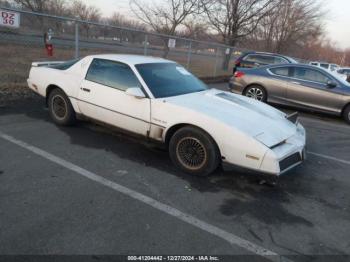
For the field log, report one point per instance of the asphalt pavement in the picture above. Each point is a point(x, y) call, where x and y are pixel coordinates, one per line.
point(89, 191)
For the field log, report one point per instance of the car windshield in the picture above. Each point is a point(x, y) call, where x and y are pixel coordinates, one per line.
point(343, 81)
point(339, 78)
point(169, 79)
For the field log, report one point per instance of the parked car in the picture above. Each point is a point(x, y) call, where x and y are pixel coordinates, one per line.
point(327, 66)
point(257, 59)
point(160, 100)
point(345, 72)
point(301, 86)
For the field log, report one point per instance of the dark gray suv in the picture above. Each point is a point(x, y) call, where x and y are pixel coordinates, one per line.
point(257, 59)
point(296, 85)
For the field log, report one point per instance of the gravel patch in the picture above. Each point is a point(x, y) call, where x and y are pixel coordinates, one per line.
point(13, 94)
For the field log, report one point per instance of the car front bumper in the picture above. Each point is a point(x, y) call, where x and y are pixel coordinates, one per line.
point(287, 155)
point(281, 158)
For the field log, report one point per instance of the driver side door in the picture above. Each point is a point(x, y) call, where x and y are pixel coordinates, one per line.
point(308, 88)
point(103, 97)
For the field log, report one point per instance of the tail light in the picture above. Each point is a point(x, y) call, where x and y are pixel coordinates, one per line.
point(238, 74)
point(238, 62)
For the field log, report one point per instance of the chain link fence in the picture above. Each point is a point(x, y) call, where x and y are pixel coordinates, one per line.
point(74, 38)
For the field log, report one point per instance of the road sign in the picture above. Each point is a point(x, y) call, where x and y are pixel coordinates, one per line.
point(9, 19)
point(172, 43)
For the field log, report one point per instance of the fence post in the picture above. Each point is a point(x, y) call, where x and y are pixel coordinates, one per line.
point(76, 40)
point(189, 55)
point(216, 61)
point(145, 45)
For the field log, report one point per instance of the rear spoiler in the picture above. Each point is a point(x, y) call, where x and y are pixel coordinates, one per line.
point(293, 117)
point(47, 63)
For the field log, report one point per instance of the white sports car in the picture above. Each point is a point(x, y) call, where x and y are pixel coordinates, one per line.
point(161, 100)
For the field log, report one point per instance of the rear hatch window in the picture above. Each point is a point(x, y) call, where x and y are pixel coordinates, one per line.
point(65, 65)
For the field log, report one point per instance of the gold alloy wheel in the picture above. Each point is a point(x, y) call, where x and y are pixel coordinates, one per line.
point(59, 107)
point(191, 153)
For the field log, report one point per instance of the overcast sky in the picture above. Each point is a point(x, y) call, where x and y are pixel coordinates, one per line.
point(337, 21)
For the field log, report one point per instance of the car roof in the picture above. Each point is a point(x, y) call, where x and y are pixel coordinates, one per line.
point(291, 59)
point(295, 65)
point(264, 53)
point(318, 62)
point(132, 59)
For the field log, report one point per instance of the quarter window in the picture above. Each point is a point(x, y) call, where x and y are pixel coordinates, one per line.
point(310, 75)
point(280, 60)
point(112, 74)
point(280, 71)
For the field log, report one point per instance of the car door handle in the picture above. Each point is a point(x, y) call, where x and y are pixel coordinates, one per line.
point(85, 89)
point(296, 83)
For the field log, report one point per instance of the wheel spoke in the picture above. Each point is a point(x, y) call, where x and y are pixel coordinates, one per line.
point(191, 153)
point(59, 107)
point(255, 93)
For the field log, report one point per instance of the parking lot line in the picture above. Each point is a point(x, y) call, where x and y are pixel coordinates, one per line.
point(330, 158)
point(229, 237)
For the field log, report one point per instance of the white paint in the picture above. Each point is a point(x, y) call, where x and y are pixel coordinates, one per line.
point(330, 158)
point(239, 125)
point(229, 237)
point(9, 19)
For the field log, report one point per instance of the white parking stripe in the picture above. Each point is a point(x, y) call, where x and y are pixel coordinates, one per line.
point(330, 158)
point(229, 237)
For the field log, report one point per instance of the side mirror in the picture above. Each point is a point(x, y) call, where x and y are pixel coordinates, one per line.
point(331, 84)
point(135, 92)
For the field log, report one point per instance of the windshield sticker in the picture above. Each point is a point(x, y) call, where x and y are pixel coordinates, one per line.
point(183, 71)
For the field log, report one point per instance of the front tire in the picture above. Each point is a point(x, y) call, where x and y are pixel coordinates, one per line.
point(194, 152)
point(346, 114)
point(256, 92)
point(60, 108)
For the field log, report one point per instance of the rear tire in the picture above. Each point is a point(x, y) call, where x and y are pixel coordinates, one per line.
point(346, 114)
point(60, 108)
point(194, 152)
point(256, 92)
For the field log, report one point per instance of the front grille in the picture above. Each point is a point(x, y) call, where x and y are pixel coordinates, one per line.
point(290, 161)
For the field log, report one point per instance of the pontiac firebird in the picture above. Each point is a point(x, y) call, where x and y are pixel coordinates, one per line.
point(159, 99)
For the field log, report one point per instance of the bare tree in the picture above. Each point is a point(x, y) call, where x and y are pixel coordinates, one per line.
point(55, 7)
point(165, 17)
point(5, 3)
point(118, 19)
point(196, 30)
point(294, 23)
point(235, 19)
point(40, 6)
point(84, 12)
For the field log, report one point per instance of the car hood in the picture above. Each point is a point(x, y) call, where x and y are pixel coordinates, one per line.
point(261, 121)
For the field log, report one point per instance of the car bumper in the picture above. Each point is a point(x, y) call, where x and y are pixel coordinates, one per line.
point(284, 157)
point(235, 87)
point(287, 155)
